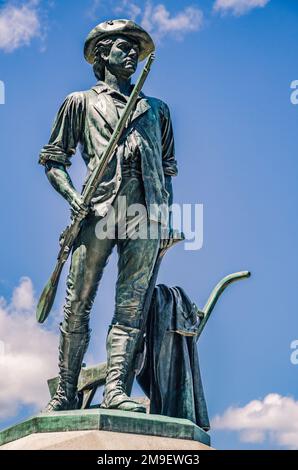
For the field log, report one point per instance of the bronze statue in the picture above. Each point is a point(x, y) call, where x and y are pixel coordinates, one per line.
point(140, 169)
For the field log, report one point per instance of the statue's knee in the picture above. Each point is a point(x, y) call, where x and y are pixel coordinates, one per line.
point(75, 324)
point(76, 315)
point(130, 316)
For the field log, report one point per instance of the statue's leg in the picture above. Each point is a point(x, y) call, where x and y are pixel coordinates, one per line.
point(88, 260)
point(137, 258)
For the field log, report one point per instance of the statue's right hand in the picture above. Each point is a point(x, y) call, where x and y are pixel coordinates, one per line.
point(77, 206)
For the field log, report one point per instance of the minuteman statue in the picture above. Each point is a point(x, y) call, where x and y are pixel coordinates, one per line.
point(139, 172)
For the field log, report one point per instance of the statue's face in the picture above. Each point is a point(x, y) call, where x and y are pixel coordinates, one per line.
point(123, 57)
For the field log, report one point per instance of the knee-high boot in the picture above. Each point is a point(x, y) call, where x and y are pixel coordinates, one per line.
point(71, 353)
point(121, 347)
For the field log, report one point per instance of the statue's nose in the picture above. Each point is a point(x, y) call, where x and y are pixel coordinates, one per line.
point(133, 53)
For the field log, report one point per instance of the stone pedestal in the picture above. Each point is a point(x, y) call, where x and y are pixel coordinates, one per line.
point(104, 430)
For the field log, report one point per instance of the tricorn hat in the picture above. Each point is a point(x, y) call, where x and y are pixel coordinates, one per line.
point(123, 27)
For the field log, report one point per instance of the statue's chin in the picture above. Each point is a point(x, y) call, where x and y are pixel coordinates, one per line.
point(130, 72)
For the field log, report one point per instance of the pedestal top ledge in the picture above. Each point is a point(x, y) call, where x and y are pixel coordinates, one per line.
point(106, 420)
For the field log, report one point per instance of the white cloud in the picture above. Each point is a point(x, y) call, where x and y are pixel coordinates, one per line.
point(23, 295)
point(131, 9)
point(159, 22)
point(238, 7)
point(28, 353)
point(19, 24)
point(155, 18)
point(275, 418)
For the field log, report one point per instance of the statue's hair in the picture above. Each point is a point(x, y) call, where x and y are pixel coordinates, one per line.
point(102, 47)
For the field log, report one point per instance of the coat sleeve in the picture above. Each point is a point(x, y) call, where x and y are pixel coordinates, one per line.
point(168, 147)
point(66, 132)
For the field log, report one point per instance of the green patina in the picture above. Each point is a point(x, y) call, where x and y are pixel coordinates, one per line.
point(106, 420)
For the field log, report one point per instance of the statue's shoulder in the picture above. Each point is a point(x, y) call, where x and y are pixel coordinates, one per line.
point(77, 96)
point(74, 101)
point(81, 96)
point(159, 105)
point(80, 100)
point(92, 95)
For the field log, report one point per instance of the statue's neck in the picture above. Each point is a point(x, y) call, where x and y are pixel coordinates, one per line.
point(121, 84)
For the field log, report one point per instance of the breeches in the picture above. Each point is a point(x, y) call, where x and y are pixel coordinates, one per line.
point(136, 260)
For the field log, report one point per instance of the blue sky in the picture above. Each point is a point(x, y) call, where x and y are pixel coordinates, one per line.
point(225, 74)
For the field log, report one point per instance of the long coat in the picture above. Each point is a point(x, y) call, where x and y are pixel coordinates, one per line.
point(170, 373)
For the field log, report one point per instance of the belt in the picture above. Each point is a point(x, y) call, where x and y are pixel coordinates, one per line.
point(131, 172)
point(132, 167)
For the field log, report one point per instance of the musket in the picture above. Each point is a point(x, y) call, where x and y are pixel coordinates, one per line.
point(71, 232)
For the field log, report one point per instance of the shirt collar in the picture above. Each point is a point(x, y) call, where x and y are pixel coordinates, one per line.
point(102, 87)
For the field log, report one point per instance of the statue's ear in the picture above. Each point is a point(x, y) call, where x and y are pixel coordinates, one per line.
point(104, 57)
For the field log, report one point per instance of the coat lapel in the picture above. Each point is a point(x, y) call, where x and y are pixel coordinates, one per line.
point(141, 108)
point(106, 107)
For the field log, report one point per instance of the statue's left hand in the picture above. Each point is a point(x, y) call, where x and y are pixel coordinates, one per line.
point(167, 239)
